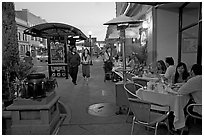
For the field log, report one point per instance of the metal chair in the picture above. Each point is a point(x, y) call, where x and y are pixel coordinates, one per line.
point(190, 114)
point(142, 82)
point(193, 115)
point(144, 116)
point(131, 88)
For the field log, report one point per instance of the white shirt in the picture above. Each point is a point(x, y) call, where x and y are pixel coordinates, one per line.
point(170, 72)
point(193, 86)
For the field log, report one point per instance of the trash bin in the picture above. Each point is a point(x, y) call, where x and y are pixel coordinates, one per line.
point(35, 86)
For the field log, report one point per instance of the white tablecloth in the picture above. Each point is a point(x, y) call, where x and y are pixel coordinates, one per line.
point(176, 103)
point(145, 78)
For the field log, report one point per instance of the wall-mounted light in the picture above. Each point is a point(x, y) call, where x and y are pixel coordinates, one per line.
point(145, 24)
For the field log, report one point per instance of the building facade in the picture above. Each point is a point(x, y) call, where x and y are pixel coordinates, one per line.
point(168, 29)
point(23, 41)
point(35, 45)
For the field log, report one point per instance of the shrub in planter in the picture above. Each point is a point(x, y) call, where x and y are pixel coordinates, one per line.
point(12, 68)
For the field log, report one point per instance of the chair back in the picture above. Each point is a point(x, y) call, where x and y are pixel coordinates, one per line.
point(195, 107)
point(140, 109)
point(142, 82)
point(131, 88)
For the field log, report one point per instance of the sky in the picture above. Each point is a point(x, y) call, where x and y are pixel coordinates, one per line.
point(86, 16)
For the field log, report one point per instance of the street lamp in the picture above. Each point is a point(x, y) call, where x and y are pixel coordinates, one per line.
point(90, 45)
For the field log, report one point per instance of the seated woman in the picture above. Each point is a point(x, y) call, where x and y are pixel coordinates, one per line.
point(160, 67)
point(181, 74)
point(170, 71)
point(131, 62)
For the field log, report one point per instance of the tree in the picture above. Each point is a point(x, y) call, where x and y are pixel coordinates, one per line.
point(10, 54)
point(12, 67)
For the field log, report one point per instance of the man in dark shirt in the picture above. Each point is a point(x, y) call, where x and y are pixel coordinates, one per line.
point(73, 63)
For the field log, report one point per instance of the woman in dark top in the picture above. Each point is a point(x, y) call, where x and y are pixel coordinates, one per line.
point(181, 74)
point(85, 60)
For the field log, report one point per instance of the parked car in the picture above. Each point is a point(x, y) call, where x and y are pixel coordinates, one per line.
point(44, 58)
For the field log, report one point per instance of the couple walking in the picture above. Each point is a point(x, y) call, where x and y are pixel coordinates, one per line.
point(74, 61)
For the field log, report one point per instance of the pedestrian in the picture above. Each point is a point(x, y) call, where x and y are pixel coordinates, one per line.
point(73, 64)
point(28, 59)
point(108, 64)
point(85, 60)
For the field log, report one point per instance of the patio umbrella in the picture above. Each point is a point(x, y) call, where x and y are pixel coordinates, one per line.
point(152, 3)
point(55, 29)
point(122, 19)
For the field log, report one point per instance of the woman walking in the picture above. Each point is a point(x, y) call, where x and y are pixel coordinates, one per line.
point(85, 60)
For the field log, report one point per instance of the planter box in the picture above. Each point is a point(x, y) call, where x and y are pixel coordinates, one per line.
point(34, 117)
point(6, 122)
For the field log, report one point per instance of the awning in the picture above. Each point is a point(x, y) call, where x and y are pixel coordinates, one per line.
point(46, 30)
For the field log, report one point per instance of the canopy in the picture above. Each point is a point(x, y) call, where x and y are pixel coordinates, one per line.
point(122, 19)
point(55, 29)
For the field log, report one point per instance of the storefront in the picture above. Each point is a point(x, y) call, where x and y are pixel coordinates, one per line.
point(168, 29)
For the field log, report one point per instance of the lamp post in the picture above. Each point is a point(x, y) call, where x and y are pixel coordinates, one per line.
point(90, 45)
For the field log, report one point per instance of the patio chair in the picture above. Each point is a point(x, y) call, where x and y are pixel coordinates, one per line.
point(144, 116)
point(142, 82)
point(131, 88)
point(192, 114)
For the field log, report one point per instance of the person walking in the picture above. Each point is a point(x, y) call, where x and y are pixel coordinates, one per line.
point(108, 64)
point(73, 64)
point(28, 59)
point(85, 60)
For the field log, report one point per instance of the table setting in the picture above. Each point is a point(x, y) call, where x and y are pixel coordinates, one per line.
point(166, 94)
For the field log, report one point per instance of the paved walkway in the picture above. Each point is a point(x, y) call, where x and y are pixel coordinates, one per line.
point(78, 98)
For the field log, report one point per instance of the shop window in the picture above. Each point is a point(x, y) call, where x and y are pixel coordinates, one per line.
point(189, 46)
point(190, 14)
point(21, 49)
point(19, 36)
point(25, 37)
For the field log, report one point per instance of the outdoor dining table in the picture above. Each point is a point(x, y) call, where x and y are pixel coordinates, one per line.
point(175, 101)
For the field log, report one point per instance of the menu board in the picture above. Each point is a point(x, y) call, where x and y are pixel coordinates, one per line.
point(57, 52)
